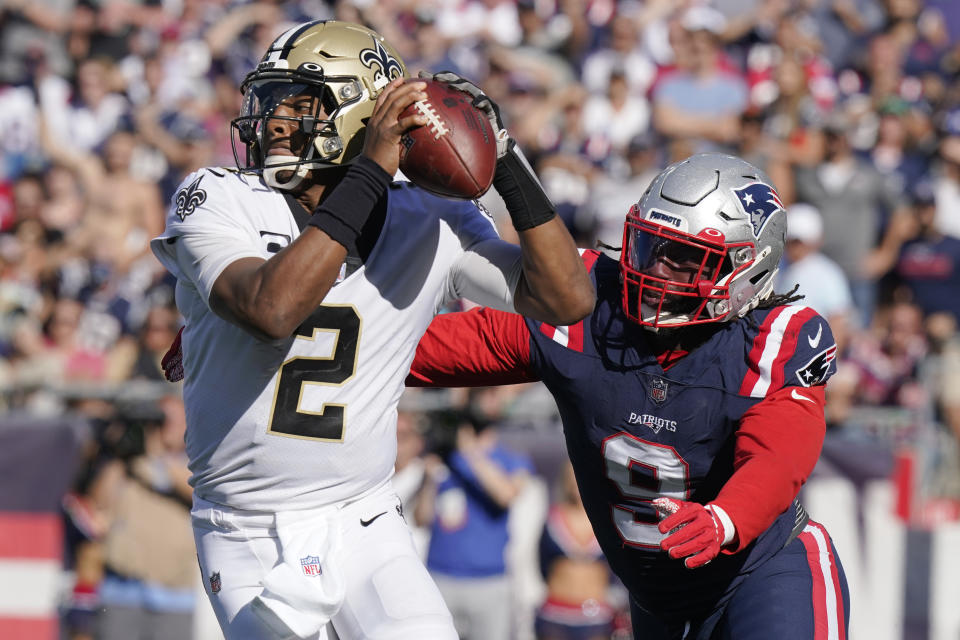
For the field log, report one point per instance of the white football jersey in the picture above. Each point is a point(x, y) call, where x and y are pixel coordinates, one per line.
point(311, 420)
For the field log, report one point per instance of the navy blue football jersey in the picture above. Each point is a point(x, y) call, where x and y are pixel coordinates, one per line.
point(635, 432)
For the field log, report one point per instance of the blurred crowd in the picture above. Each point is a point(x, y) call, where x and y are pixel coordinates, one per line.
point(851, 106)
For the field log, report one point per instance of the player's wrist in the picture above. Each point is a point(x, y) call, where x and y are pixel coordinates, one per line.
point(344, 213)
point(527, 202)
point(727, 532)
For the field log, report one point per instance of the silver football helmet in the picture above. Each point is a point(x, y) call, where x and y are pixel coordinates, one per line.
point(344, 67)
point(702, 244)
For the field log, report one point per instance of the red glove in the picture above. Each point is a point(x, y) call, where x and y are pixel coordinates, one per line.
point(696, 531)
point(172, 361)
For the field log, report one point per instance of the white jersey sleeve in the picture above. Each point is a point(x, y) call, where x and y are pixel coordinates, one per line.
point(206, 231)
point(489, 269)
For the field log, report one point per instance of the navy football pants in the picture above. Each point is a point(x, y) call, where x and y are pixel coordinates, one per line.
point(798, 594)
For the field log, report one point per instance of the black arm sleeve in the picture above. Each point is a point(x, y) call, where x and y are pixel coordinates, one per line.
point(516, 183)
point(344, 213)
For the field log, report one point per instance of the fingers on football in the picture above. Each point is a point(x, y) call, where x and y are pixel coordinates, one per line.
point(396, 97)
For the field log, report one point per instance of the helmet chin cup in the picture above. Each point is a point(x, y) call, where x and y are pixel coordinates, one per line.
point(273, 165)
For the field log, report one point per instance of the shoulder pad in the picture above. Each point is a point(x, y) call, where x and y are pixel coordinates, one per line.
point(793, 345)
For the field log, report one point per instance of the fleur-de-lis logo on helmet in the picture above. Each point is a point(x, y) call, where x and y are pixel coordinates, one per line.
point(189, 198)
point(384, 66)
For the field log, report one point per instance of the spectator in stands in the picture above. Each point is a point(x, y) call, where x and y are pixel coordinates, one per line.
point(158, 331)
point(820, 280)
point(58, 352)
point(616, 115)
point(123, 211)
point(922, 258)
point(892, 153)
point(576, 572)
point(32, 33)
point(623, 50)
point(65, 208)
point(792, 128)
point(616, 190)
point(84, 116)
point(882, 365)
point(852, 196)
point(947, 180)
point(465, 502)
point(408, 477)
point(705, 100)
point(148, 590)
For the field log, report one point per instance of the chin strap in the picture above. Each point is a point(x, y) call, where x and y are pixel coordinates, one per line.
point(272, 165)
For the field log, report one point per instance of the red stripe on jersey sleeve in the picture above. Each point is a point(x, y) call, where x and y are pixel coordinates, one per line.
point(548, 330)
point(575, 337)
point(570, 336)
point(788, 346)
point(480, 347)
point(589, 258)
point(777, 445)
point(772, 349)
point(574, 333)
point(753, 359)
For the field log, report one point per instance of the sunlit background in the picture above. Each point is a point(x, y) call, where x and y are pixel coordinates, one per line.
point(851, 106)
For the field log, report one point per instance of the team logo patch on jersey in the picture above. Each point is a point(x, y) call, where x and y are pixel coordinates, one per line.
point(759, 201)
point(311, 566)
point(384, 66)
point(189, 198)
point(215, 584)
point(815, 372)
point(658, 389)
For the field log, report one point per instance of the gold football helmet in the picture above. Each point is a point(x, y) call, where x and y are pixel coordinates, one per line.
point(345, 66)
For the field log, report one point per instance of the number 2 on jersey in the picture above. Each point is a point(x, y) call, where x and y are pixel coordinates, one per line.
point(287, 418)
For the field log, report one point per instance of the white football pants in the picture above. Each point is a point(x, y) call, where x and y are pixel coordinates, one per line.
point(388, 593)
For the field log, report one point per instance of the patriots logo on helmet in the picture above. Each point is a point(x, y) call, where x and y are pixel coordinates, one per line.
point(815, 371)
point(759, 201)
point(384, 66)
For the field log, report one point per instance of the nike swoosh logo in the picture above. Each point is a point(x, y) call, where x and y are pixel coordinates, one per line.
point(367, 523)
point(795, 396)
point(815, 340)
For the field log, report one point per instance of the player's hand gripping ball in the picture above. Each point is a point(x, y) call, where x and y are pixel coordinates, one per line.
point(455, 153)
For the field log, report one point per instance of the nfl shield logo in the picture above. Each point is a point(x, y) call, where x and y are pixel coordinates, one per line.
point(215, 582)
point(311, 566)
point(658, 390)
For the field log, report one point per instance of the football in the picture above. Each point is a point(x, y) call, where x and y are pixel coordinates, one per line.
point(455, 154)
